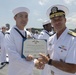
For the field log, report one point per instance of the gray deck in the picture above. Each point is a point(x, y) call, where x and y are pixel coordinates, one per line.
point(4, 70)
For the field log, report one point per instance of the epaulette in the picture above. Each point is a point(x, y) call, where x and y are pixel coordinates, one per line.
point(72, 33)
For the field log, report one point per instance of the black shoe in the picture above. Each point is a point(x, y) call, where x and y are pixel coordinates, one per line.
point(2, 65)
point(7, 62)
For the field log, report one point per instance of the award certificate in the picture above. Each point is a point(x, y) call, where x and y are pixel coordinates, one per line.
point(34, 47)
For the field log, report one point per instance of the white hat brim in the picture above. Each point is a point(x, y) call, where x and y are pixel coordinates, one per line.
point(60, 7)
point(20, 9)
point(46, 22)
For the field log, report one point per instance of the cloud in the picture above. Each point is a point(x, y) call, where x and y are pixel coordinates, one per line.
point(72, 19)
point(36, 13)
point(42, 2)
point(69, 1)
point(40, 20)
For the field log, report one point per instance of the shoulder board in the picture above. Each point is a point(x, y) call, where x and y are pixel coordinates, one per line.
point(72, 33)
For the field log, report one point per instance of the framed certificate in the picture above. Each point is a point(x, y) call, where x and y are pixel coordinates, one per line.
point(34, 47)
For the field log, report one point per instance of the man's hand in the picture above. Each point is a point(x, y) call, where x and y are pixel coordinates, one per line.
point(39, 65)
point(29, 58)
point(44, 59)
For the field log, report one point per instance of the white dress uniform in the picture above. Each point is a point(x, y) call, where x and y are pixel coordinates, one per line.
point(3, 51)
point(17, 65)
point(63, 48)
point(45, 35)
point(29, 34)
point(36, 36)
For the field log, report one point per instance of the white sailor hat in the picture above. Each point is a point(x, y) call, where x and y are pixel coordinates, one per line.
point(20, 9)
point(46, 22)
point(57, 10)
point(4, 27)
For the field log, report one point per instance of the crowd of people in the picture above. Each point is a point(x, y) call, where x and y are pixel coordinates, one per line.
point(61, 44)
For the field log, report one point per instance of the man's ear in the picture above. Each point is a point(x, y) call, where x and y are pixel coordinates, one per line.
point(14, 17)
point(65, 20)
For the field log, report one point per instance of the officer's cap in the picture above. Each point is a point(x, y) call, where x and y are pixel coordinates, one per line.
point(20, 9)
point(57, 10)
point(46, 22)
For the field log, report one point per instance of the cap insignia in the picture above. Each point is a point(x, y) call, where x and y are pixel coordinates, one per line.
point(54, 9)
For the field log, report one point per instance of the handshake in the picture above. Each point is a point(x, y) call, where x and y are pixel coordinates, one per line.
point(40, 62)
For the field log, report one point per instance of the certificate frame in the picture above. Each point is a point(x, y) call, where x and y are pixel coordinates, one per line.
point(34, 47)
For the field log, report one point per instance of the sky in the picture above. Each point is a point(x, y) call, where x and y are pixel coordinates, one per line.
point(38, 9)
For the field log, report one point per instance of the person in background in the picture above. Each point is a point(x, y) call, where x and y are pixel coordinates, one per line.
point(45, 35)
point(7, 32)
point(3, 51)
point(18, 63)
point(62, 45)
point(29, 34)
point(47, 28)
point(35, 36)
point(8, 26)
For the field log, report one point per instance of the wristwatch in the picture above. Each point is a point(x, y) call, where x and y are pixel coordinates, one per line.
point(50, 62)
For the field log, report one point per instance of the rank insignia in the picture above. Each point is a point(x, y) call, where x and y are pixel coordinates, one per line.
point(63, 48)
point(72, 33)
point(54, 9)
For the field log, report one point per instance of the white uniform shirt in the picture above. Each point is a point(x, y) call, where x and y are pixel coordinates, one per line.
point(1, 38)
point(63, 48)
point(3, 51)
point(29, 34)
point(17, 65)
point(45, 35)
point(36, 36)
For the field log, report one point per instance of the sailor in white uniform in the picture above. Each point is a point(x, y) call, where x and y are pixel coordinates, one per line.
point(3, 51)
point(36, 34)
point(47, 27)
point(29, 34)
point(45, 35)
point(62, 45)
point(18, 63)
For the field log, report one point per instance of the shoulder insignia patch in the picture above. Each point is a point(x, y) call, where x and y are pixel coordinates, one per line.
point(72, 33)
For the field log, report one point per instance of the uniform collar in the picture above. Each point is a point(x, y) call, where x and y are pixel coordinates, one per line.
point(45, 31)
